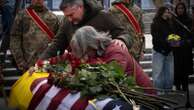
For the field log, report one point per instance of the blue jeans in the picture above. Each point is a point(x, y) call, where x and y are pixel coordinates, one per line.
point(163, 70)
point(7, 17)
point(7, 20)
point(106, 4)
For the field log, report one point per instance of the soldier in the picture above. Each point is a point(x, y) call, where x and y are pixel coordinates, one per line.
point(33, 29)
point(130, 16)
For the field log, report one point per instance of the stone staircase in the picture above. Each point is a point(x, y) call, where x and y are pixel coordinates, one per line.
point(146, 63)
point(10, 72)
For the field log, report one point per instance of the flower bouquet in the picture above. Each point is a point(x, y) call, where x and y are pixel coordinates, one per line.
point(174, 40)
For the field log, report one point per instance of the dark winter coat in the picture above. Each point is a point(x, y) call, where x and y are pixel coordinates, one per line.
point(160, 29)
point(183, 59)
point(94, 16)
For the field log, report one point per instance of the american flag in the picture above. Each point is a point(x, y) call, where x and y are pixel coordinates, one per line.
point(50, 97)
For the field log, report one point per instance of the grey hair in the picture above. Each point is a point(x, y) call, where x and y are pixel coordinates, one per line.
point(70, 3)
point(86, 38)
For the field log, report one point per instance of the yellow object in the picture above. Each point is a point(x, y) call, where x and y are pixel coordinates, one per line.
point(174, 37)
point(21, 94)
point(92, 102)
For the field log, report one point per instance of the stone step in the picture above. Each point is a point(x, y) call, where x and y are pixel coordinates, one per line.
point(146, 64)
point(7, 72)
point(147, 57)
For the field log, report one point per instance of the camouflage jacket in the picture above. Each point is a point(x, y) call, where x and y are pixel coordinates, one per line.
point(27, 41)
point(138, 39)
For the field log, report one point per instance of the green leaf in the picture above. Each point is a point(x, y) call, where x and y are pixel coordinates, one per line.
point(91, 80)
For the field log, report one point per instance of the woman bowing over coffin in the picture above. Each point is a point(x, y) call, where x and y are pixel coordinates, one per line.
point(88, 47)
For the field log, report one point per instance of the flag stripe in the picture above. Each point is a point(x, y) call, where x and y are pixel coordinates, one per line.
point(38, 96)
point(69, 101)
point(80, 104)
point(43, 105)
point(36, 86)
point(58, 98)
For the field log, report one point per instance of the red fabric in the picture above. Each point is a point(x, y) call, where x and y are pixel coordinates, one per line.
point(120, 54)
point(40, 23)
point(80, 104)
point(129, 16)
point(38, 96)
point(36, 82)
point(57, 99)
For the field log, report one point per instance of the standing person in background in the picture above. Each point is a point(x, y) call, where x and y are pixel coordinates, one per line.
point(33, 29)
point(79, 13)
point(7, 12)
point(130, 16)
point(183, 58)
point(7, 17)
point(106, 4)
point(162, 62)
point(8, 9)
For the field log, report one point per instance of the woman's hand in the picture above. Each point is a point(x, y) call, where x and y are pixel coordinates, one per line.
point(31, 70)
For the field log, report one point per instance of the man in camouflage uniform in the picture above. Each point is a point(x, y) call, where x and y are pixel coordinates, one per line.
point(27, 39)
point(138, 39)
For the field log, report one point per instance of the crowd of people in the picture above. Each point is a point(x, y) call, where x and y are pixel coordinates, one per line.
point(36, 34)
point(172, 60)
point(91, 34)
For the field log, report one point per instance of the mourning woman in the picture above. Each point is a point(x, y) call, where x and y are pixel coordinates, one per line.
point(93, 47)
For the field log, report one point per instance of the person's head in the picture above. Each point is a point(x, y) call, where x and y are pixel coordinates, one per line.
point(73, 10)
point(87, 42)
point(163, 12)
point(180, 9)
point(37, 2)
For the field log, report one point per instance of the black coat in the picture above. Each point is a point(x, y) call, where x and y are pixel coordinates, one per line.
point(160, 29)
point(183, 58)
